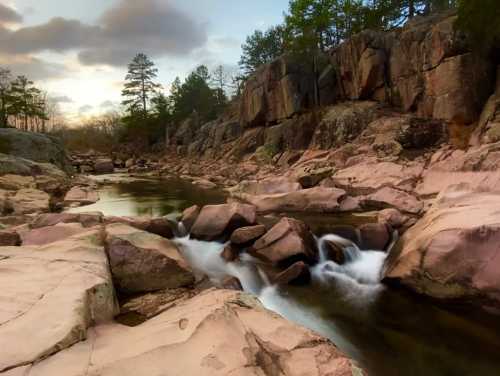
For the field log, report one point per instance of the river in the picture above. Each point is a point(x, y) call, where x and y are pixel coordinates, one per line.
point(388, 331)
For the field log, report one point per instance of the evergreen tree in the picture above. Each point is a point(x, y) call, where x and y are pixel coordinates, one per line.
point(5, 96)
point(261, 48)
point(480, 19)
point(26, 101)
point(195, 96)
point(140, 86)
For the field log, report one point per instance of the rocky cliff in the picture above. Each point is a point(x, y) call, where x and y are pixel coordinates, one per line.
point(425, 69)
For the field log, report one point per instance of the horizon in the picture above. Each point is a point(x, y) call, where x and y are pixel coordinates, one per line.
point(64, 49)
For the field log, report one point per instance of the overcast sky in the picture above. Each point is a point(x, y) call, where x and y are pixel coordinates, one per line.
point(78, 50)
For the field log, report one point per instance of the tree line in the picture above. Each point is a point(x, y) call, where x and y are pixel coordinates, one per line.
point(22, 104)
point(310, 27)
point(150, 113)
point(314, 26)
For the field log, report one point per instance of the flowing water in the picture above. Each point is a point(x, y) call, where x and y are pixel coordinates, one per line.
point(388, 331)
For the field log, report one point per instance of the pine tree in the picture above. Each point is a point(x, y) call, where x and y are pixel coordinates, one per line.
point(5, 96)
point(140, 86)
point(25, 100)
point(261, 48)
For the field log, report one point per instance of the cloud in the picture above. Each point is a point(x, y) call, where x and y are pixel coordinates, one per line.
point(32, 67)
point(107, 104)
point(85, 109)
point(62, 99)
point(9, 15)
point(154, 27)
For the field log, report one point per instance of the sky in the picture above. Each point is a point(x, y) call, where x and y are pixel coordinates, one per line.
point(78, 50)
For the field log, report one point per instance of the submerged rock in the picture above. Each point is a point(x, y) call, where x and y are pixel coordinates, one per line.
point(296, 274)
point(143, 262)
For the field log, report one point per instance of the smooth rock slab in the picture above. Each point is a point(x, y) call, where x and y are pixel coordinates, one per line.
point(51, 234)
point(51, 295)
point(216, 333)
point(453, 251)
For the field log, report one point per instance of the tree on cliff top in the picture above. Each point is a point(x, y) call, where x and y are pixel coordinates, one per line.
point(5, 96)
point(260, 48)
point(139, 87)
point(195, 96)
point(481, 20)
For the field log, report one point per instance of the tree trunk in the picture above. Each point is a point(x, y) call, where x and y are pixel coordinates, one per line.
point(411, 8)
point(316, 76)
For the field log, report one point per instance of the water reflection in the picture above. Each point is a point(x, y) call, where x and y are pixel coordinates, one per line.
point(122, 196)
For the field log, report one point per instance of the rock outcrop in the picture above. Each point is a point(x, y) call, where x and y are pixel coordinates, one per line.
point(51, 295)
point(452, 252)
point(34, 147)
point(276, 92)
point(224, 333)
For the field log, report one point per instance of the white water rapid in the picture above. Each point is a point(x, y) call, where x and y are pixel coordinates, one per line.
point(359, 276)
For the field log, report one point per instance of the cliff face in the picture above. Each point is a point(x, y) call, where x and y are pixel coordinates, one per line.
point(425, 70)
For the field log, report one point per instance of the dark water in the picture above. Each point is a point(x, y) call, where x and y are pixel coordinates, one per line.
point(122, 196)
point(388, 331)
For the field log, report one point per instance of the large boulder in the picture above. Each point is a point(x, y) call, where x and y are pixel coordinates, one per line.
point(245, 235)
point(104, 166)
point(289, 239)
point(79, 196)
point(10, 164)
point(50, 296)
point(222, 332)
point(143, 262)
point(452, 252)
point(189, 216)
point(219, 221)
point(28, 201)
point(318, 199)
point(34, 147)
